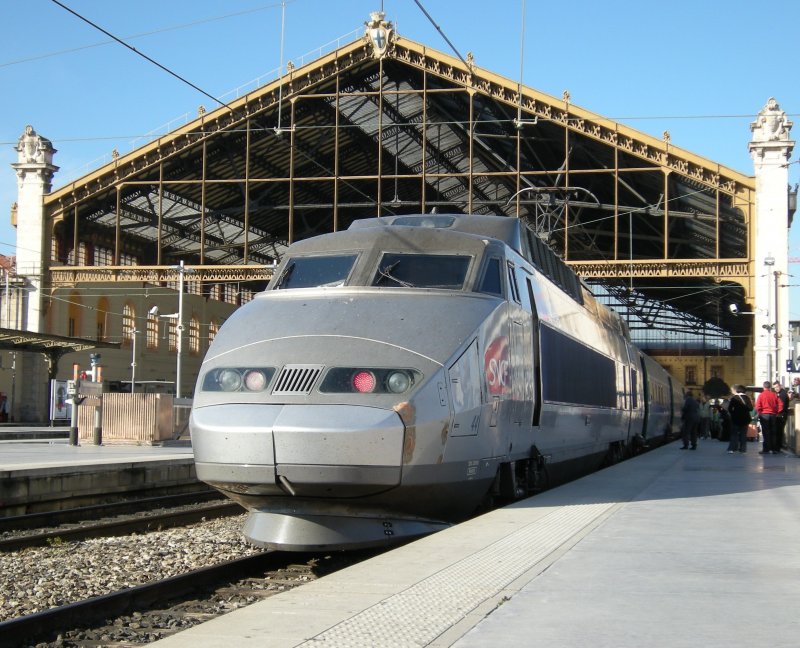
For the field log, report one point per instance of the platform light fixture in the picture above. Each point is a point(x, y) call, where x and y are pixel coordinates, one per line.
point(182, 270)
point(134, 333)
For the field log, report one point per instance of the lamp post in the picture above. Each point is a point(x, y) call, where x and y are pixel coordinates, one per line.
point(133, 362)
point(181, 272)
point(758, 312)
point(179, 316)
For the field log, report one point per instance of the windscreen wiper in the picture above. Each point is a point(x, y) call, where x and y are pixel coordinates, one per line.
point(285, 276)
point(386, 273)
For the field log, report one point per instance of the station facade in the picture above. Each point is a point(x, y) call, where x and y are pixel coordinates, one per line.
point(155, 249)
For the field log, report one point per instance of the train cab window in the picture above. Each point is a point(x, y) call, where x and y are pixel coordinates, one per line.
point(492, 282)
point(316, 271)
point(422, 271)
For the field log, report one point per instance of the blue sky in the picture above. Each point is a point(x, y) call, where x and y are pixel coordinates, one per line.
point(700, 69)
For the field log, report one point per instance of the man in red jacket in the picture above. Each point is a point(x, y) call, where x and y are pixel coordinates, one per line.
point(768, 406)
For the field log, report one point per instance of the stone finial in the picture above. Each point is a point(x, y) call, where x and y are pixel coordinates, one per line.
point(667, 137)
point(566, 96)
point(34, 149)
point(114, 154)
point(289, 67)
point(771, 124)
point(201, 110)
point(379, 33)
point(470, 60)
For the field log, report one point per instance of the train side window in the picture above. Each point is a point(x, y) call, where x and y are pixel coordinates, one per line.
point(492, 282)
point(573, 372)
point(512, 283)
point(634, 389)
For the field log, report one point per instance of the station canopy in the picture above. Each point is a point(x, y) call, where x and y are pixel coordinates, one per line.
point(385, 125)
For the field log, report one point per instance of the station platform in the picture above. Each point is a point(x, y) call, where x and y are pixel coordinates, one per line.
point(41, 472)
point(672, 548)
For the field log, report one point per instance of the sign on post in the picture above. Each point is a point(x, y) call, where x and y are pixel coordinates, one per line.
point(89, 388)
point(60, 403)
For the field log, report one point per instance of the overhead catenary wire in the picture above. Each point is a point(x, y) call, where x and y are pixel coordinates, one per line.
point(153, 32)
point(446, 122)
point(283, 3)
point(443, 35)
point(138, 53)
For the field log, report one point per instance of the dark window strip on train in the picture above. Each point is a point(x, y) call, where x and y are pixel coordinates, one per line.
point(574, 373)
point(548, 263)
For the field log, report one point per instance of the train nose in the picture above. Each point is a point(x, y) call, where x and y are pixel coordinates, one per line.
point(298, 450)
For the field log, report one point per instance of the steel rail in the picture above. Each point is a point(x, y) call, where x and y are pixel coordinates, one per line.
point(37, 626)
point(54, 518)
point(122, 527)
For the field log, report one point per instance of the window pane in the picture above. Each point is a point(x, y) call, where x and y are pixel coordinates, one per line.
point(491, 282)
point(310, 272)
point(422, 271)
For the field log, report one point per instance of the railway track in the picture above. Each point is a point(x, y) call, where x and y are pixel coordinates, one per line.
point(139, 615)
point(97, 511)
point(124, 525)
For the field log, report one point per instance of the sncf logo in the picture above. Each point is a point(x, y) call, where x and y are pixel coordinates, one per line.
point(496, 368)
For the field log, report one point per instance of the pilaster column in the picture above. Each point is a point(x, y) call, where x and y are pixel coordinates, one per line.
point(770, 148)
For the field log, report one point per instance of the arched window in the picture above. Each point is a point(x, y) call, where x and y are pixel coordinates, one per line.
point(101, 319)
point(172, 335)
point(213, 327)
point(80, 259)
point(152, 331)
point(128, 324)
point(194, 335)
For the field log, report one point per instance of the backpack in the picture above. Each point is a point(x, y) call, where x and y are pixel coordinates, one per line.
point(739, 410)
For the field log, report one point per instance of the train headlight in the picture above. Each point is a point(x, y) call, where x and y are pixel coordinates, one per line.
point(398, 381)
point(229, 380)
point(255, 380)
point(238, 379)
point(364, 381)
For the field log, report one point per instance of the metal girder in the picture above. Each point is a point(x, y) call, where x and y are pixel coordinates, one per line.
point(732, 269)
point(66, 276)
point(482, 152)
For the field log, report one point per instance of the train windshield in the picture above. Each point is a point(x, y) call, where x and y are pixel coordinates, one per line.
point(316, 271)
point(422, 271)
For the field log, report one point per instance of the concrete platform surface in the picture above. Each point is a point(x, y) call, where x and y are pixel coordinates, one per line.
point(40, 475)
point(30, 447)
point(674, 548)
point(57, 453)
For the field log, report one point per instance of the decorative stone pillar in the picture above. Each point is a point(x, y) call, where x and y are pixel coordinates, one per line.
point(35, 171)
point(770, 149)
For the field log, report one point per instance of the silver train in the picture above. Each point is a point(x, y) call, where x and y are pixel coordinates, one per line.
point(398, 376)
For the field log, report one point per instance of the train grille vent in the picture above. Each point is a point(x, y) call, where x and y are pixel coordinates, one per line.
point(297, 379)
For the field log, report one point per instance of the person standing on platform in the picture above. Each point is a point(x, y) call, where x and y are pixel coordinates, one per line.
point(780, 419)
point(768, 406)
point(705, 419)
point(690, 415)
point(740, 408)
